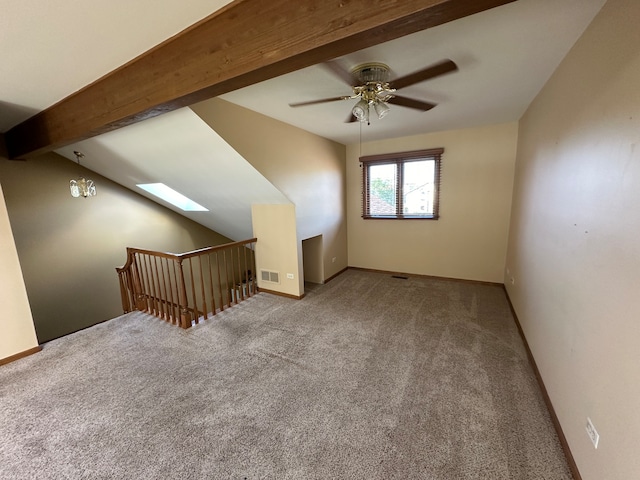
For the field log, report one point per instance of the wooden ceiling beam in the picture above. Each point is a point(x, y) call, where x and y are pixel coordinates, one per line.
point(246, 42)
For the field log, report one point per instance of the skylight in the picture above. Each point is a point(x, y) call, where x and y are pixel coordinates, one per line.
point(168, 194)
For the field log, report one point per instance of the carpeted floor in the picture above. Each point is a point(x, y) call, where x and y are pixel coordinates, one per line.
point(367, 377)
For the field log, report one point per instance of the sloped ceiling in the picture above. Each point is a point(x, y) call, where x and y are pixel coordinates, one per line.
point(180, 150)
point(505, 55)
point(51, 49)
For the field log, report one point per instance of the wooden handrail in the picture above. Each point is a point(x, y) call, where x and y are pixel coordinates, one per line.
point(183, 288)
point(192, 253)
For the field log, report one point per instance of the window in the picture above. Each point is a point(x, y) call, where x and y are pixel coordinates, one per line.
point(401, 185)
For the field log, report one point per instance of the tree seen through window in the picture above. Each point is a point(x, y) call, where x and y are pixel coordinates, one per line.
point(401, 185)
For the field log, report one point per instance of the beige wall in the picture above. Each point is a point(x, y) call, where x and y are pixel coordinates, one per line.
point(69, 247)
point(18, 332)
point(469, 241)
point(308, 169)
point(277, 248)
point(574, 245)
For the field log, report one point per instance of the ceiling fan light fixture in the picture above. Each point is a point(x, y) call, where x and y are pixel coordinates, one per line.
point(361, 110)
point(371, 85)
point(374, 72)
point(382, 109)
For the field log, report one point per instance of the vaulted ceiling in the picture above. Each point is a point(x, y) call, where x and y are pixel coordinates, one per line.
point(504, 56)
point(243, 43)
point(56, 88)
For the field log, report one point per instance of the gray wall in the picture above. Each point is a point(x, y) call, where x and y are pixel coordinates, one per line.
point(69, 247)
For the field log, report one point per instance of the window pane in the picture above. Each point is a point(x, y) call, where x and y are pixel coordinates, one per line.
point(402, 185)
point(382, 189)
point(417, 187)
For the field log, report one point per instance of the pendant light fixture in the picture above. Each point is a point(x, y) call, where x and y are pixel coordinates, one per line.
point(81, 187)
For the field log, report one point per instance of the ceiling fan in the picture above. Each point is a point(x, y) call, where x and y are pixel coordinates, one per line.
point(370, 83)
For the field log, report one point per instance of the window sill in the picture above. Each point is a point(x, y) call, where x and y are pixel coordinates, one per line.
point(403, 217)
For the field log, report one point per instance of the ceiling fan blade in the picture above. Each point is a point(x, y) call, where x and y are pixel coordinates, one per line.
point(433, 71)
point(314, 102)
point(411, 103)
point(341, 73)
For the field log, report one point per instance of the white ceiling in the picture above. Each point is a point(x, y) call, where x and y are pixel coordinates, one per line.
point(180, 150)
point(504, 55)
point(49, 50)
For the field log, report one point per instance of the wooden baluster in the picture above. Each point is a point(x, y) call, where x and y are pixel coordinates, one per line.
point(219, 282)
point(226, 278)
point(153, 290)
point(137, 286)
point(147, 281)
point(131, 292)
point(213, 297)
point(126, 288)
point(254, 277)
point(158, 292)
point(124, 296)
point(141, 273)
point(231, 285)
point(130, 279)
point(130, 272)
point(169, 294)
point(240, 293)
point(175, 300)
point(158, 288)
point(151, 287)
point(247, 270)
point(204, 297)
point(172, 303)
point(166, 285)
point(185, 317)
point(166, 275)
point(193, 293)
point(158, 276)
point(245, 278)
point(236, 269)
point(131, 298)
point(162, 288)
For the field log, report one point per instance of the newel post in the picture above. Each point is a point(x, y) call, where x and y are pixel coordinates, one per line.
point(125, 289)
point(185, 316)
point(134, 270)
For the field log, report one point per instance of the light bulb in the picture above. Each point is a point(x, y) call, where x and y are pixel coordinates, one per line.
point(361, 110)
point(381, 109)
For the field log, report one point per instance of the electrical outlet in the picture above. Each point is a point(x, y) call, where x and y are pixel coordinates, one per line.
point(290, 276)
point(513, 281)
point(333, 260)
point(593, 434)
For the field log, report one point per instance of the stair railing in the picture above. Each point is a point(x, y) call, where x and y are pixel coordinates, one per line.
point(185, 288)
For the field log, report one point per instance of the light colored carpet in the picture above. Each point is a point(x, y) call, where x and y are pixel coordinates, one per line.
point(368, 377)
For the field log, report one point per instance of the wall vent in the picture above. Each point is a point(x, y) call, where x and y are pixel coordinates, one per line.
point(268, 276)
